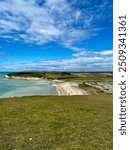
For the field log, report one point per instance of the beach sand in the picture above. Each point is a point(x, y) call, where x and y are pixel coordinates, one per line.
point(69, 88)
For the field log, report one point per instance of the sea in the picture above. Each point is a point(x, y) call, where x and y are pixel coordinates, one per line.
point(18, 88)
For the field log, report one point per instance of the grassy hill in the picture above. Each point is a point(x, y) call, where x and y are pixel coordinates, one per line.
point(56, 123)
point(66, 75)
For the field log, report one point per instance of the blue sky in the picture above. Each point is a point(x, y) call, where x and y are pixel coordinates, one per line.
point(56, 35)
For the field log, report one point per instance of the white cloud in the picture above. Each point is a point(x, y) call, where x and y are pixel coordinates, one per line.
point(61, 21)
point(81, 63)
point(107, 52)
point(84, 53)
point(77, 15)
point(38, 21)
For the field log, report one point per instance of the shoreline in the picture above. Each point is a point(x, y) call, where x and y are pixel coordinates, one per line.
point(69, 88)
point(62, 87)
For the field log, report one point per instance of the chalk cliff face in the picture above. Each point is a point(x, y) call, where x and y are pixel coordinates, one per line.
point(24, 78)
point(6, 76)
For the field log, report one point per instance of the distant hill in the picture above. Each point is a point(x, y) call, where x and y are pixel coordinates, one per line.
point(97, 76)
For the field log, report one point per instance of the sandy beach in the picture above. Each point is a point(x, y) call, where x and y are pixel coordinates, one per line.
point(69, 88)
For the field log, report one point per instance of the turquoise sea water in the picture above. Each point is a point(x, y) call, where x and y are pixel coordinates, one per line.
point(12, 88)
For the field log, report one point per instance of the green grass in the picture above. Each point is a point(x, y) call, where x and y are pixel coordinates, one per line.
point(92, 90)
point(56, 123)
point(95, 76)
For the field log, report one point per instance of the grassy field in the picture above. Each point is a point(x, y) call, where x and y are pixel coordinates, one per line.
point(56, 123)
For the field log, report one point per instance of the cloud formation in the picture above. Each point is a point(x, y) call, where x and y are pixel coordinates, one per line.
point(66, 22)
point(100, 61)
point(84, 53)
point(41, 21)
